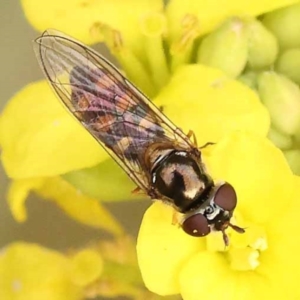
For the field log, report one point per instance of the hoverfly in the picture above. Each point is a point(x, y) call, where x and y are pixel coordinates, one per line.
point(162, 161)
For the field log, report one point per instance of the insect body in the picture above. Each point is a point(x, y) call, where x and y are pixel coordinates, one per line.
point(157, 156)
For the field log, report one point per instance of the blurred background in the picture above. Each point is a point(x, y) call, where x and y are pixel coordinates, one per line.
point(47, 225)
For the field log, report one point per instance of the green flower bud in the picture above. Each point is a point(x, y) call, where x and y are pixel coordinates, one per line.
point(281, 96)
point(288, 64)
point(249, 78)
point(293, 158)
point(263, 47)
point(226, 48)
point(285, 25)
point(280, 140)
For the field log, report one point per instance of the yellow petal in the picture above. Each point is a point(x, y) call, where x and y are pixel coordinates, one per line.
point(282, 257)
point(162, 248)
point(257, 170)
point(28, 271)
point(39, 138)
point(206, 101)
point(211, 13)
point(82, 208)
point(207, 276)
point(17, 194)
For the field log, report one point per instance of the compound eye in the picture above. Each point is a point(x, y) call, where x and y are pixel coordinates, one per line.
point(225, 197)
point(196, 225)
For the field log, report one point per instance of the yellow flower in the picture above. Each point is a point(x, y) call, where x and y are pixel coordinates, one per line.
point(29, 271)
point(36, 135)
point(259, 263)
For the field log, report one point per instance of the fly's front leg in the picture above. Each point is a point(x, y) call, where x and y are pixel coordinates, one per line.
point(190, 134)
point(207, 144)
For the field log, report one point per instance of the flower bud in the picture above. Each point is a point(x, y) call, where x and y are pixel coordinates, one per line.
point(250, 79)
point(280, 140)
point(226, 48)
point(281, 96)
point(288, 64)
point(293, 158)
point(285, 25)
point(263, 47)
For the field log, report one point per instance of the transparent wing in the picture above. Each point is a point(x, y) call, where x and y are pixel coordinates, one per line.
point(115, 112)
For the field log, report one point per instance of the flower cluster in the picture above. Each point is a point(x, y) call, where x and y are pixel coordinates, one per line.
point(230, 77)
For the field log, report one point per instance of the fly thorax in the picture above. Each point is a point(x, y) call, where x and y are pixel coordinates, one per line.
point(155, 155)
point(180, 178)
